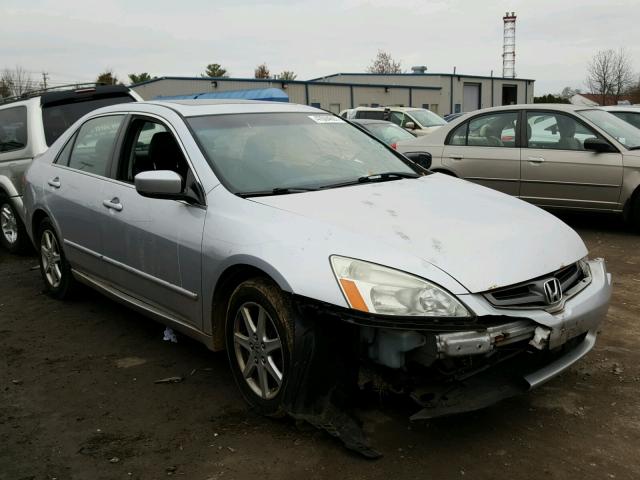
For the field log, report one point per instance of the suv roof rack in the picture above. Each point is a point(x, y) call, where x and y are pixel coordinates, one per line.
point(75, 87)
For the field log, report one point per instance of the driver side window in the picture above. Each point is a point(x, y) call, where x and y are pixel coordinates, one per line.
point(149, 145)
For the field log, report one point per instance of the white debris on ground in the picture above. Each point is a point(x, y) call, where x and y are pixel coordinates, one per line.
point(169, 335)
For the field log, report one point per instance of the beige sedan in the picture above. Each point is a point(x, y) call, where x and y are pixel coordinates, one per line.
point(556, 156)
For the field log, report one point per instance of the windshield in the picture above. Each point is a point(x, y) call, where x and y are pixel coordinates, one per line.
point(58, 117)
point(267, 151)
point(427, 118)
point(624, 133)
point(389, 132)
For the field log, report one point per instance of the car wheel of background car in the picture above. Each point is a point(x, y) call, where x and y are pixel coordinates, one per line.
point(633, 219)
point(13, 236)
point(56, 272)
point(259, 338)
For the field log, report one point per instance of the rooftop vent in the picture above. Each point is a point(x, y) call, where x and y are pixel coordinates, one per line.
point(419, 69)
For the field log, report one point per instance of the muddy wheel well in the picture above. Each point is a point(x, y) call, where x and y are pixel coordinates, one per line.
point(38, 216)
point(444, 172)
point(227, 283)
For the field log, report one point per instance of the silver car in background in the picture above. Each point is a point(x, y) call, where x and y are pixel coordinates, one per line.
point(322, 260)
point(554, 156)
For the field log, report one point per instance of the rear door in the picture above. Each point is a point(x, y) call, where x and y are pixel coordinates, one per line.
point(485, 150)
point(74, 191)
point(558, 172)
point(153, 245)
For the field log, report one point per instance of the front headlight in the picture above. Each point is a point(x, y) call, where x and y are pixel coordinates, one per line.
point(373, 288)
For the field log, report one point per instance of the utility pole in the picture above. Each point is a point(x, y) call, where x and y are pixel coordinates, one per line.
point(45, 77)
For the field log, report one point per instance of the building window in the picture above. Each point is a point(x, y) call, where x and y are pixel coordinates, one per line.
point(425, 106)
point(434, 107)
point(315, 104)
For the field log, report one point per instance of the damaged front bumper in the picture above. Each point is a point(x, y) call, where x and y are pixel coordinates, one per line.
point(466, 364)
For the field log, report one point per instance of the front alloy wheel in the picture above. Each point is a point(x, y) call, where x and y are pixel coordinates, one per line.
point(258, 350)
point(259, 336)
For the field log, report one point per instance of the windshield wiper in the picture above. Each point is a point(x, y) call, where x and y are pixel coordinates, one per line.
point(637, 147)
point(376, 177)
point(276, 191)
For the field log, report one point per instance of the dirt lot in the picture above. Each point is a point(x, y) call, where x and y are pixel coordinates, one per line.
point(79, 401)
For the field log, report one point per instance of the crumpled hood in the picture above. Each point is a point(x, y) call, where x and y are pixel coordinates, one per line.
point(482, 238)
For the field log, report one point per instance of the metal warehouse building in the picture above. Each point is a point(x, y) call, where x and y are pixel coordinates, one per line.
point(442, 93)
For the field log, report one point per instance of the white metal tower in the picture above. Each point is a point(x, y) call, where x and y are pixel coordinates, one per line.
point(509, 46)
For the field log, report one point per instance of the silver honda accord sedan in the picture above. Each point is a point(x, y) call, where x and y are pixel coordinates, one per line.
point(324, 262)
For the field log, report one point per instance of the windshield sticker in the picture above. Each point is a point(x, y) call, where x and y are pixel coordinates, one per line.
point(325, 119)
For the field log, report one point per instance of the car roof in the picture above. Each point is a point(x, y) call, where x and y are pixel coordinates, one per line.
point(382, 108)
point(195, 108)
point(563, 107)
point(369, 121)
point(623, 108)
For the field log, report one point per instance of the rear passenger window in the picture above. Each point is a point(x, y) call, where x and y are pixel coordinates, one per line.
point(497, 130)
point(94, 144)
point(13, 129)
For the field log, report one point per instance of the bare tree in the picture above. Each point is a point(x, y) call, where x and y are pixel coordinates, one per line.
point(610, 73)
point(262, 71)
point(623, 76)
point(600, 73)
point(384, 63)
point(16, 82)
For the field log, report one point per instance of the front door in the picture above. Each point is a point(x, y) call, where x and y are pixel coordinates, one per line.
point(485, 150)
point(558, 172)
point(154, 246)
point(74, 188)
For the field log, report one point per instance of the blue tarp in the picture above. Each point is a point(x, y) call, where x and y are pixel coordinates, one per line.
point(267, 94)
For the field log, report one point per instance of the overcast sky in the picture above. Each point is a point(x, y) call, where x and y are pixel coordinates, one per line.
point(75, 40)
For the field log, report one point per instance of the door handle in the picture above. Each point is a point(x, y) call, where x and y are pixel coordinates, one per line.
point(456, 157)
point(54, 182)
point(113, 204)
point(535, 159)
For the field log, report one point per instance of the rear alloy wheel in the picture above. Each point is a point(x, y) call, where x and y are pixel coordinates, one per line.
point(54, 268)
point(257, 335)
point(13, 236)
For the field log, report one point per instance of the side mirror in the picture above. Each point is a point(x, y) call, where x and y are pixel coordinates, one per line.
point(421, 158)
point(165, 184)
point(410, 126)
point(597, 145)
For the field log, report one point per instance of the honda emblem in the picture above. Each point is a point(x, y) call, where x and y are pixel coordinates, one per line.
point(552, 291)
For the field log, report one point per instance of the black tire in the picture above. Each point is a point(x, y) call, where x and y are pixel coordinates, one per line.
point(15, 238)
point(255, 294)
point(634, 213)
point(50, 270)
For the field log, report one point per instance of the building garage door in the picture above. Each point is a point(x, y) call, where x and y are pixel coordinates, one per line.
point(471, 97)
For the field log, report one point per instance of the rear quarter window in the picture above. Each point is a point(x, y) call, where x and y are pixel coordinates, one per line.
point(13, 129)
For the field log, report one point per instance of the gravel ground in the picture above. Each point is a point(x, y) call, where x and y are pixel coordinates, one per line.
point(79, 401)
